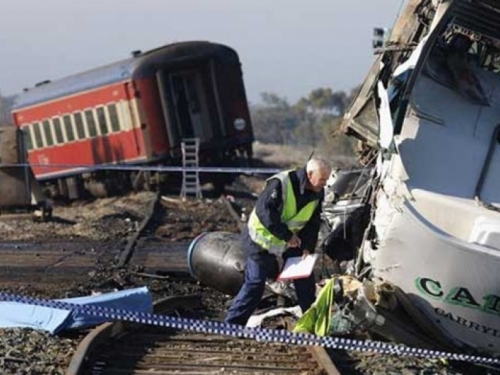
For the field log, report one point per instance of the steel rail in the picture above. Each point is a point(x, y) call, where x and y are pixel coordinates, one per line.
point(154, 352)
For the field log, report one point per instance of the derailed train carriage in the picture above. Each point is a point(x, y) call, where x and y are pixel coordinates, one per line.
point(136, 112)
point(428, 121)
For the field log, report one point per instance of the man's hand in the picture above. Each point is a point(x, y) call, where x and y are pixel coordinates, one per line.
point(305, 253)
point(294, 241)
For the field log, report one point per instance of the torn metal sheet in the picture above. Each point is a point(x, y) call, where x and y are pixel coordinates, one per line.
point(256, 321)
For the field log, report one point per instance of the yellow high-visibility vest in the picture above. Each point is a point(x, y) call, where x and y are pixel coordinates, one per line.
point(317, 319)
point(289, 216)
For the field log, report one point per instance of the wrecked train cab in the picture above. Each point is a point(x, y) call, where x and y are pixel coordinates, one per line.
point(428, 120)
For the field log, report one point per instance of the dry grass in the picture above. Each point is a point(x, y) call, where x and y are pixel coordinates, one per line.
point(283, 156)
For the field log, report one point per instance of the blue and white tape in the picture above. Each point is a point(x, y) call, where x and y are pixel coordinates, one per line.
point(151, 168)
point(279, 336)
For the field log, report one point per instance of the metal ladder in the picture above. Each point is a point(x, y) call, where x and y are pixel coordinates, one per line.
point(190, 179)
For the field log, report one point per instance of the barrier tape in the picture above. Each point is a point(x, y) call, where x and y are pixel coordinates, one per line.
point(268, 335)
point(159, 168)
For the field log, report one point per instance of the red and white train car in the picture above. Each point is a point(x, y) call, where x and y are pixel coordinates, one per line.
point(137, 111)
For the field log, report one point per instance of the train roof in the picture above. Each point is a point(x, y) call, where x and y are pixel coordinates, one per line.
point(140, 65)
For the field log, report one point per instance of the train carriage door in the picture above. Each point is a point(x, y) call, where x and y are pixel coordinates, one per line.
point(190, 104)
point(173, 132)
point(184, 105)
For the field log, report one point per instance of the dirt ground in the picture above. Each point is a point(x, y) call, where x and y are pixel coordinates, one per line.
point(111, 222)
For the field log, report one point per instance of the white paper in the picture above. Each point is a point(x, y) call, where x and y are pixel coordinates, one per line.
point(298, 268)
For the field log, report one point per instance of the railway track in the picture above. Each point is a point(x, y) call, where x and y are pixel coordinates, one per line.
point(60, 262)
point(50, 263)
point(57, 262)
point(124, 348)
point(117, 348)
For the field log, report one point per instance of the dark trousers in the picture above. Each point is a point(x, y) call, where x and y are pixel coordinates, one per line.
point(259, 268)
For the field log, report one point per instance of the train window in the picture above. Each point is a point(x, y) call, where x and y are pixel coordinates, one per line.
point(48, 133)
point(101, 118)
point(89, 116)
point(58, 130)
point(80, 130)
point(125, 115)
point(113, 117)
point(27, 138)
point(68, 126)
point(38, 135)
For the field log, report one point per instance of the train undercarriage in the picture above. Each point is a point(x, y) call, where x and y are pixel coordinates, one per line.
point(112, 180)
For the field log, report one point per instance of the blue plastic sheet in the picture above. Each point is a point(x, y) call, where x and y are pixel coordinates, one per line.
point(20, 315)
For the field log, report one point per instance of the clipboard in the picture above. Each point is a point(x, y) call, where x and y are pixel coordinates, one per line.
point(298, 268)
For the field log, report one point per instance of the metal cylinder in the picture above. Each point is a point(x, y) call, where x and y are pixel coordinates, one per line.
point(217, 260)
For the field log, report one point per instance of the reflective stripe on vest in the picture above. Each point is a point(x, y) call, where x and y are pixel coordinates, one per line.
point(294, 220)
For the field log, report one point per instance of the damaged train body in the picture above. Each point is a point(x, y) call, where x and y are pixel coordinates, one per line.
point(428, 121)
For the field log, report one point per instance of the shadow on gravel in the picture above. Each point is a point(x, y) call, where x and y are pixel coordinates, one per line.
point(60, 220)
point(361, 363)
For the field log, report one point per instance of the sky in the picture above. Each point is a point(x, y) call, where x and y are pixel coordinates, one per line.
point(287, 47)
